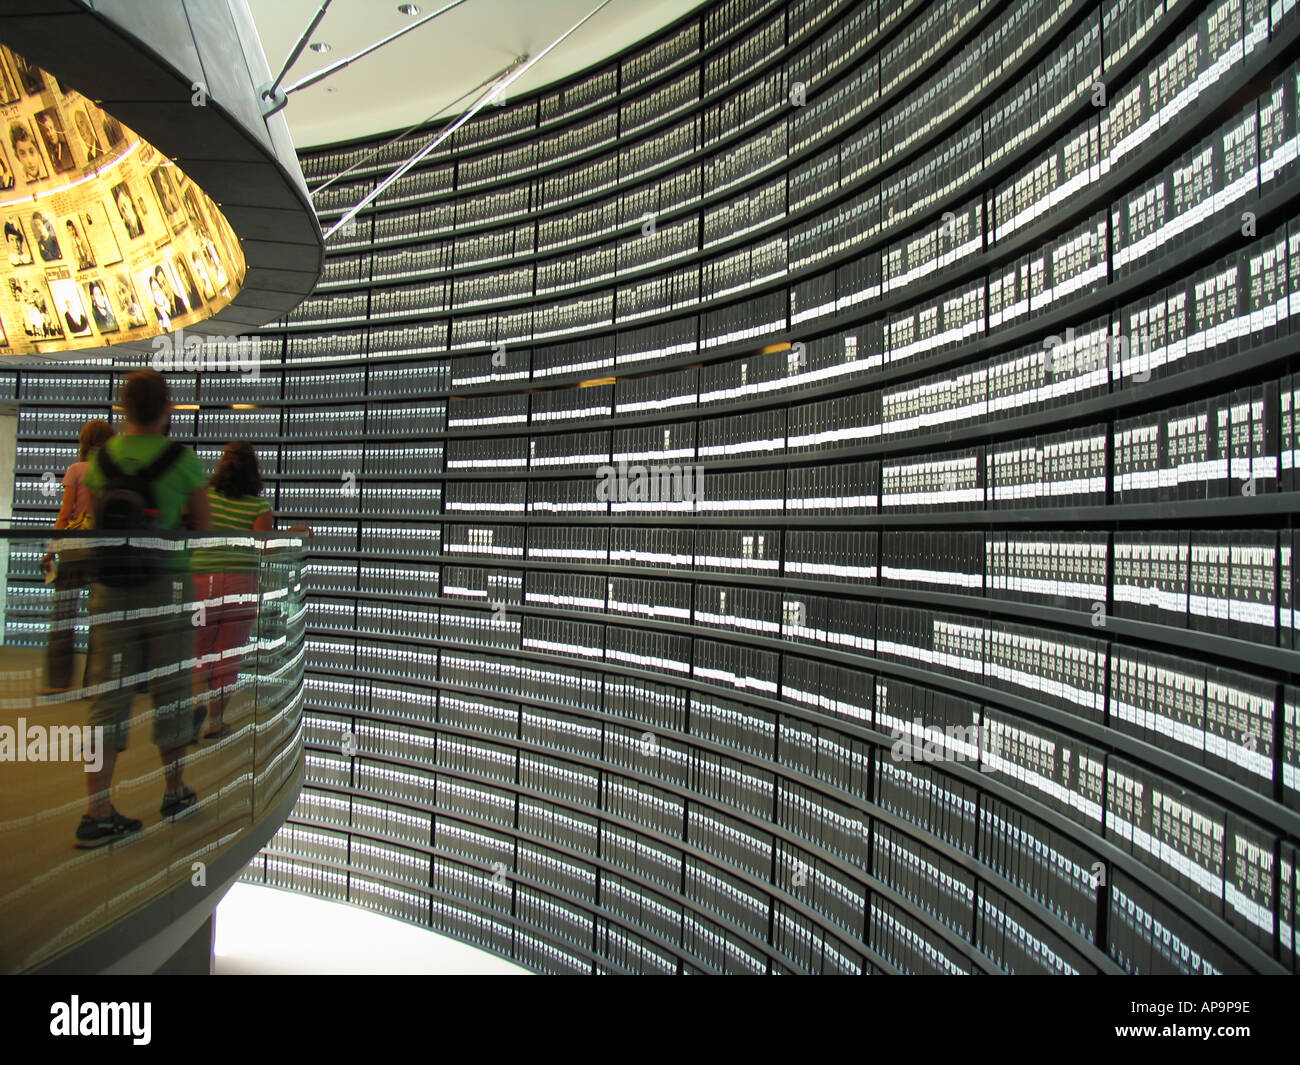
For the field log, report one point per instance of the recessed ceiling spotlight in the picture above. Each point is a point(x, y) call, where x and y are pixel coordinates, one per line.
point(319, 46)
point(409, 9)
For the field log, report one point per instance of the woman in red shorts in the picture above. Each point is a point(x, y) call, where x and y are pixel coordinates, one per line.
point(226, 581)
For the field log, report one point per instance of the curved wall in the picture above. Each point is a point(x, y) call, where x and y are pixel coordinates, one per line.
point(974, 651)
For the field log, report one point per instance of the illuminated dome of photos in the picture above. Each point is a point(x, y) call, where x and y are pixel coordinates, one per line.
point(106, 239)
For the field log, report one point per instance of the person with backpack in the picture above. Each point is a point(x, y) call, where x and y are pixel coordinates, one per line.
point(70, 564)
point(141, 599)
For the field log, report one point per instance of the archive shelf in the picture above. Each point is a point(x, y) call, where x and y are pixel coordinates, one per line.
point(335, 368)
point(354, 884)
point(1086, 949)
point(790, 773)
point(775, 60)
point(603, 865)
point(845, 190)
point(1225, 649)
point(1253, 802)
point(1139, 282)
point(515, 878)
point(1211, 108)
point(1116, 858)
point(1213, 511)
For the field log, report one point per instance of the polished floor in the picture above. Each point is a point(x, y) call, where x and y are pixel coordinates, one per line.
point(264, 930)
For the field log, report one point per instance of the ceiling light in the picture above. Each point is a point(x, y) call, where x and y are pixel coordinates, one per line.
point(319, 46)
point(409, 9)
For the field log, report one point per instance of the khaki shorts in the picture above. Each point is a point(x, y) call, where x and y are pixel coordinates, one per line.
point(143, 633)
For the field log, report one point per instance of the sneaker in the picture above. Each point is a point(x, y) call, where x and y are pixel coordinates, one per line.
point(177, 802)
point(95, 832)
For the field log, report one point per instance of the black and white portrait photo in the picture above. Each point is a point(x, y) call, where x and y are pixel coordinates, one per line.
point(87, 135)
point(167, 199)
point(129, 303)
point(81, 254)
point(30, 163)
point(67, 298)
point(47, 240)
point(20, 252)
point(29, 75)
point(126, 211)
point(100, 308)
point(8, 87)
point(56, 141)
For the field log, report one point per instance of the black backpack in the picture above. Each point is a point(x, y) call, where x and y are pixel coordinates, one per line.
point(126, 504)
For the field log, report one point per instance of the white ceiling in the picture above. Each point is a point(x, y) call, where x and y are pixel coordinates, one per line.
point(418, 75)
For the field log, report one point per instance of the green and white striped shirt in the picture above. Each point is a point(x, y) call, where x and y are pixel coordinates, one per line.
point(230, 516)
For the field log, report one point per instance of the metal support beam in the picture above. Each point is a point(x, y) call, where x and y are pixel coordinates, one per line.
point(498, 88)
point(275, 100)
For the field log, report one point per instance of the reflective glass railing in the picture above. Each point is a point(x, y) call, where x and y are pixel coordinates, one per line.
point(150, 715)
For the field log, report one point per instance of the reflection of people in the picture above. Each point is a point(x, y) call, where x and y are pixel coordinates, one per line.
point(76, 320)
point(130, 303)
point(126, 210)
point(56, 144)
point(228, 577)
point(19, 253)
point(26, 152)
point(47, 241)
point(100, 309)
point(86, 132)
point(84, 259)
point(73, 574)
point(151, 640)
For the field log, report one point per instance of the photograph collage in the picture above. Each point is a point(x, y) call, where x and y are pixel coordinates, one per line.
point(106, 240)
